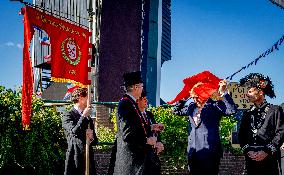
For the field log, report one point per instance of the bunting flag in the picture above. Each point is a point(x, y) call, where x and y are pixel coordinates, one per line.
point(39, 94)
point(261, 56)
point(70, 89)
point(35, 27)
point(47, 58)
point(69, 49)
point(44, 41)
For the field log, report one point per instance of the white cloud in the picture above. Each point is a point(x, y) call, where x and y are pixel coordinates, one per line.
point(9, 44)
point(12, 44)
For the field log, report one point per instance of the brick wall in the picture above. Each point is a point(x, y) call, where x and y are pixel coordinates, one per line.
point(230, 165)
point(169, 170)
point(102, 160)
point(102, 116)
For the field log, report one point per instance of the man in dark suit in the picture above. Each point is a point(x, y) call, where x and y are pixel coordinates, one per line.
point(204, 144)
point(152, 164)
point(131, 134)
point(77, 127)
point(261, 131)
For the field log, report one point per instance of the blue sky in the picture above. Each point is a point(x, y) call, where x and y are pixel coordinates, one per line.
point(11, 42)
point(223, 36)
point(220, 36)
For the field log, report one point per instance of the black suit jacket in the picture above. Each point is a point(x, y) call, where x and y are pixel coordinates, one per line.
point(131, 138)
point(75, 127)
point(152, 164)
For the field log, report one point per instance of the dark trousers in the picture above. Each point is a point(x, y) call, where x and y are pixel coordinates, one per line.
point(269, 166)
point(152, 164)
point(203, 164)
point(77, 167)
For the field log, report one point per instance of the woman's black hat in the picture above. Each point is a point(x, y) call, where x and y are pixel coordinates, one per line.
point(260, 82)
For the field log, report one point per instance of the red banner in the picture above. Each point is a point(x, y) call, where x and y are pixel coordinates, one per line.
point(69, 53)
point(69, 47)
point(27, 88)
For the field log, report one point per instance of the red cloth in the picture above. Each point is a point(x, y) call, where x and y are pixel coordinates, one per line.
point(69, 47)
point(209, 85)
point(27, 88)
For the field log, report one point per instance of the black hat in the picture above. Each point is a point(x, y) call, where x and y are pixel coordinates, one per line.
point(132, 78)
point(260, 82)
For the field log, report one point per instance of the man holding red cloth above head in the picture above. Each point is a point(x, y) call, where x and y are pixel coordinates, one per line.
point(204, 144)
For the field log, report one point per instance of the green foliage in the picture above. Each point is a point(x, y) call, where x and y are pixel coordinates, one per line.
point(174, 136)
point(227, 124)
point(113, 119)
point(106, 136)
point(41, 149)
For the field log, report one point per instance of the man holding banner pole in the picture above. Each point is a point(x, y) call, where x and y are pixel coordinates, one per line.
point(69, 44)
point(79, 130)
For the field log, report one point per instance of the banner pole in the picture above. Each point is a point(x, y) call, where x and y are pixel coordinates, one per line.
point(90, 19)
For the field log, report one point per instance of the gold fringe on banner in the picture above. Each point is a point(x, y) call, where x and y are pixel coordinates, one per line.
point(26, 127)
point(65, 80)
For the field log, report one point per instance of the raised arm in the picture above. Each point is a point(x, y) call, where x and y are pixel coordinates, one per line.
point(69, 123)
point(226, 105)
point(180, 108)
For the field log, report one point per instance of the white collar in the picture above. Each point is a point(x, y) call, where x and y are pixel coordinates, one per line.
point(133, 98)
point(78, 109)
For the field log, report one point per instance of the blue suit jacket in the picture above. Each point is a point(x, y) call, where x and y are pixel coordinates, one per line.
point(204, 137)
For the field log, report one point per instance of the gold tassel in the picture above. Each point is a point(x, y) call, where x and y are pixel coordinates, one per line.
point(65, 80)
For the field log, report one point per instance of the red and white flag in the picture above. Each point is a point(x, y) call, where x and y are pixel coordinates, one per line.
point(70, 89)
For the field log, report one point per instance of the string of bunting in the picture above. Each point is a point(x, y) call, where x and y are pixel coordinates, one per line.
point(255, 61)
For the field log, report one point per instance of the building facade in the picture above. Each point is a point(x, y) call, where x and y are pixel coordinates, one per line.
point(156, 45)
point(127, 36)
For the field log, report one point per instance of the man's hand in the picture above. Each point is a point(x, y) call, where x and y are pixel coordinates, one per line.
point(223, 86)
point(151, 140)
point(87, 111)
point(157, 127)
point(251, 154)
point(90, 134)
point(160, 147)
point(259, 156)
point(282, 147)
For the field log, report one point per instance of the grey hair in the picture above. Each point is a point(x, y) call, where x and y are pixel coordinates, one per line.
point(128, 88)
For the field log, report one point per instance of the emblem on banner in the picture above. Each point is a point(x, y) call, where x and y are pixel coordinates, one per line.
point(71, 51)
